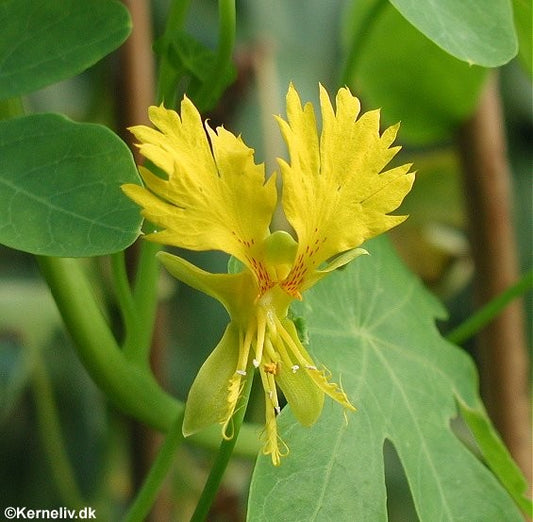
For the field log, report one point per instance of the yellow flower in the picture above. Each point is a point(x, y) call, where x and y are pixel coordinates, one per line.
point(214, 197)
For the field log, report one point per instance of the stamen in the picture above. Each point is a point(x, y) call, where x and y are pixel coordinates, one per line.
point(320, 378)
point(271, 437)
point(269, 386)
point(271, 368)
point(244, 348)
point(279, 352)
point(256, 363)
point(270, 351)
point(261, 330)
point(292, 344)
point(271, 323)
point(295, 368)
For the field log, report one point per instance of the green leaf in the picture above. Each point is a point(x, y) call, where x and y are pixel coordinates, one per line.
point(60, 188)
point(45, 41)
point(410, 78)
point(523, 19)
point(188, 54)
point(477, 31)
point(372, 325)
point(192, 59)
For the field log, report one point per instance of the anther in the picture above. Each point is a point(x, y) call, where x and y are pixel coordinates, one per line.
point(256, 363)
point(310, 367)
point(295, 368)
point(271, 368)
point(241, 372)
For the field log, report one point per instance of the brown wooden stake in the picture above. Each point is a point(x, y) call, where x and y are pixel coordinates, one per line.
point(502, 345)
point(136, 92)
point(137, 67)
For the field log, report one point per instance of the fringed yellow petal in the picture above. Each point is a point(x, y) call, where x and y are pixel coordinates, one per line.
point(322, 379)
point(272, 439)
point(176, 139)
point(287, 333)
point(214, 197)
point(234, 392)
point(334, 192)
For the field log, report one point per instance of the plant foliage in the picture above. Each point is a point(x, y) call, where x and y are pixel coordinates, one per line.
point(374, 325)
point(45, 41)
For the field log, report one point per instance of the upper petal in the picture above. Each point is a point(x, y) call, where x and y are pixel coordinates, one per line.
point(335, 194)
point(214, 196)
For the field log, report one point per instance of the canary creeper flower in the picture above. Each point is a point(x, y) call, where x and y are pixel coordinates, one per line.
point(214, 197)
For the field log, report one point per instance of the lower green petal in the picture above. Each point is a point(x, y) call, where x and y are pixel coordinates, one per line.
point(305, 398)
point(207, 402)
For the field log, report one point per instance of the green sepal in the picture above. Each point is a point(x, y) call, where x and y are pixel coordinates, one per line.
point(234, 291)
point(305, 398)
point(207, 402)
point(342, 259)
point(331, 265)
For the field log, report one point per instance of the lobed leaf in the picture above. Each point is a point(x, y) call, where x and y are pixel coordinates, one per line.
point(373, 325)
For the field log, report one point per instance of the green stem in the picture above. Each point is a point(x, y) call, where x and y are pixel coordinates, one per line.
point(485, 314)
point(131, 387)
point(167, 78)
point(159, 470)
point(358, 39)
point(226, 41)
point(122, 286)
point(127, 384)
point(223, 457)
point(145, 297)
point(51, 435)
point(125, 299)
